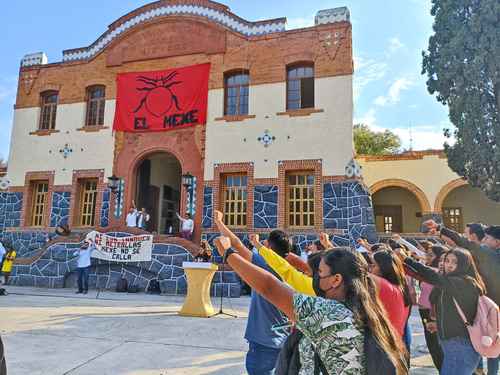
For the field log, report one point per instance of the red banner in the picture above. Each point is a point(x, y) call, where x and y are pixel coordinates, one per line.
point(162, 100)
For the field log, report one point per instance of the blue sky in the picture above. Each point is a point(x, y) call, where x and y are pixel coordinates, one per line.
point(388, 38)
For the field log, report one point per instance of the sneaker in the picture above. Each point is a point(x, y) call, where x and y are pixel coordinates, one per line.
point(79, 292)
point(85, 291)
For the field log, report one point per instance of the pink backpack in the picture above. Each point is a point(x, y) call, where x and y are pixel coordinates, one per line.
point(484, 331)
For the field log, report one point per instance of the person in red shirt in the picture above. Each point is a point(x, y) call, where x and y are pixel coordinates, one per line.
point(393, 289)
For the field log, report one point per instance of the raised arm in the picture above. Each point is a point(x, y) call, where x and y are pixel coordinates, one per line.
point(179, 217)
point(235, 241)
point(259, 279)
point(324, 239)
point(299, 264)
point(426, 273)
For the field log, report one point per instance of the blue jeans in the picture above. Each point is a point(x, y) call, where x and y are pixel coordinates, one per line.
point(460, 358)
point(83, 279)
point(493, 366)
point(261, 359)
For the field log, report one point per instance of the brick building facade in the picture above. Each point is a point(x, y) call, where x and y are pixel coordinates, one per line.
point(275, 159)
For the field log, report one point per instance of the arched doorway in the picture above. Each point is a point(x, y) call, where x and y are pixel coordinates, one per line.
point(158, 190)
point(465, 204)
point(398, 206)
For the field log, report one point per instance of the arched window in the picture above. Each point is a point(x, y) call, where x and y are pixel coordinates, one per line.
point(236, 93)
point(96, 100)
point(300, 86)
point(48, 103)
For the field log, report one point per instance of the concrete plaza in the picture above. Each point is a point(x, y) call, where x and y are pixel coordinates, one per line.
point(55, 332)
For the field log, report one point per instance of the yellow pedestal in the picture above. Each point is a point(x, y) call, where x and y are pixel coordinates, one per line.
point(199, 277)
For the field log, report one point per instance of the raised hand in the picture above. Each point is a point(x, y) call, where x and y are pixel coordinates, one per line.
point(254, 240)
point(396, 237)
point(325, 240)
point(222, 243)
point(218, 216)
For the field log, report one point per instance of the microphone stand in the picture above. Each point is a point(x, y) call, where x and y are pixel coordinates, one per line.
point(221, 312)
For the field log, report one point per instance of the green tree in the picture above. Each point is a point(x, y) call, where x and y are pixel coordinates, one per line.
point(369, 142)
point(463, 68)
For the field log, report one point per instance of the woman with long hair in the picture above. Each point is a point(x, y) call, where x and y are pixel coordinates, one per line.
point(425, 309)
point(462, 283)
point(335, 325)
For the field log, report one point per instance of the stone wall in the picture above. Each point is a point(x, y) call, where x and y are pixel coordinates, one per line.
point(11, 205)
point(61, 203)
point(347, 214)
point(57, 268)
point(265, 206)
point(347, 207)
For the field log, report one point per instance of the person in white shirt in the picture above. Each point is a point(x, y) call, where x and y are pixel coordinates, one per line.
point(131, 219)
point(83, 265)
point(142, 219)
point(187, 226)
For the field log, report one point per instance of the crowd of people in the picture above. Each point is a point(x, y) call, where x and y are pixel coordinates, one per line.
point(346, 311)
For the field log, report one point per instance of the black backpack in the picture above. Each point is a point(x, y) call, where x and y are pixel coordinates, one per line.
point(133, 289)
point(154, 287)
point(377, 361)
point(3, 292)
point(122, 285)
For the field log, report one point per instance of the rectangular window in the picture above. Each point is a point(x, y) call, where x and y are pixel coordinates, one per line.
point(388, 219)
point(387, 224)
point(96, 102)
point(40, 192)
point(300, 87)
point(300, 200)
point(234, 199)
point(452, 218)
point(87, 202)
point(236, 94)
point(48, 110)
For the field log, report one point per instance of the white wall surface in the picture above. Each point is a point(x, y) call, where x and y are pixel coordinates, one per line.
point(326, 135)
point(28, 153)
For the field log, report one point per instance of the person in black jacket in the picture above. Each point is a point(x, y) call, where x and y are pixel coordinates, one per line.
point(461, 282)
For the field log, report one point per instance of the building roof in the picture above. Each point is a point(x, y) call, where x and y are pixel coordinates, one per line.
point(407, 155)
point(209, 10)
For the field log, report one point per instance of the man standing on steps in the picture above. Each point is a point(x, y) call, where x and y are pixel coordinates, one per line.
point(266, 327)
point(83, 265)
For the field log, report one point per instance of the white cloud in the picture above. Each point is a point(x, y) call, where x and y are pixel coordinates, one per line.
point(368, 118)
point(395, 44)
point(299, 22)
point(421, 137)
point(367, 71)
point(394, 94)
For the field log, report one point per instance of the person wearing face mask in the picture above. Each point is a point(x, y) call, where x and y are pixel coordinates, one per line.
point(484, 244)
point(461, 282)
point(334, 326)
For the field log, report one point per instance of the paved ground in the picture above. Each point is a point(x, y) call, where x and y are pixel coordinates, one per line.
point(55, 332)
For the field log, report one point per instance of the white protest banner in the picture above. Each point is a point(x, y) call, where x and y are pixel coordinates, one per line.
point(135, 248)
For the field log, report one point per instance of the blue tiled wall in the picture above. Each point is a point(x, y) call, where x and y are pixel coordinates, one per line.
point(265, 206)
point(61, 202)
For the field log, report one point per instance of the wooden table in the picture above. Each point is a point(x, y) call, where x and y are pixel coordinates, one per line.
point(199, 278)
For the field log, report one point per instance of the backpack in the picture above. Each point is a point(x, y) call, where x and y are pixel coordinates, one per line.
point(133, 289)
point(154, 287)
point(3, 292)
point(122, 285)
point(484, 331)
